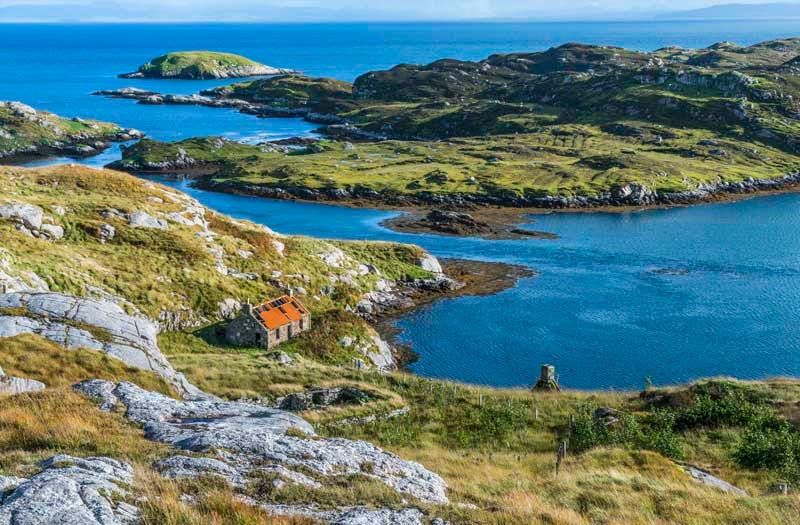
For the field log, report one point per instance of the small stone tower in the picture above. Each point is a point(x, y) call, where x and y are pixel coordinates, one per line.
point(547, 380)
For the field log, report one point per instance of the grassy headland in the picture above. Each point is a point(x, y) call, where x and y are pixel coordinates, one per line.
point(25, 131)
point(574, 126)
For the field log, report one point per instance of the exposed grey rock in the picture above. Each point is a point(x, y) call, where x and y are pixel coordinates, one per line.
point(12, 386)
point(429, 263)
point(177, 467)
point(132, 340)
point(52, 231)
point(228, 308)
point(705, 478)
point(107, 232)
point(320, 398)
point(141, 219)
point(282, 358)
point(28, 215)
point(71, 491)
point(255, 435)
point(349, 516)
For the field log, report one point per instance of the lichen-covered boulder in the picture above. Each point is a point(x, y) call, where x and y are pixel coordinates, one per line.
point(256, 436)
point(110, 329)
point(71, 491)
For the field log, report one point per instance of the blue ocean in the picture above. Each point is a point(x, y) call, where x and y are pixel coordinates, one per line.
point(672, 295)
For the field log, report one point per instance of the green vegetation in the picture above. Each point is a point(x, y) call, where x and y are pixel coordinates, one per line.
point(496, 448)
point(291, 91)
point(576, 120)
point(585, 162)
point(25, 131)
point(180, 269)
point(200, 65)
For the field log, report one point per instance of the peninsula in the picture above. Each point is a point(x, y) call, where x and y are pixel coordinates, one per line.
point(26, 132)
point(575, 126)
point(202, 65)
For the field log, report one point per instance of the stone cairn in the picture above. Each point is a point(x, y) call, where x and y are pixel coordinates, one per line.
point(547, 380)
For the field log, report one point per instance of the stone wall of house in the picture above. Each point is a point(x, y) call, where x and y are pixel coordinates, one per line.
point(245, 330)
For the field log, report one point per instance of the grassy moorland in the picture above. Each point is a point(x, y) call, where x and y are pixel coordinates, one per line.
point(572, 121)
point(26, 131)
point(182, 274)
point(495, 448)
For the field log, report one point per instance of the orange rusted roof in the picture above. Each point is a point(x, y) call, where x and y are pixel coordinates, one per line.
point(280, 312)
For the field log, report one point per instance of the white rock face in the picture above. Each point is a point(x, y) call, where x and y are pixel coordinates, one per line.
point(29, 215)
point(12, 386)
point(72, 491)
point(334, 258)
point(430, 263)
point(256, 436)
point(53, 231)
point(131, 339)
point(380, 353)
point(13, 281)
point(350, 516)
point(141, 219)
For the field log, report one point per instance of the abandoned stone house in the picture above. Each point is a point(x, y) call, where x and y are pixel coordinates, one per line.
point(268, 324)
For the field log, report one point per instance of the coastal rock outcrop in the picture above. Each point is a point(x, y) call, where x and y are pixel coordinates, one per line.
point(255, 436)
point(75, 322)
point(70, 491)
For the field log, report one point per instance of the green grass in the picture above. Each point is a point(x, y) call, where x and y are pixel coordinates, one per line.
point(496, 447)
point(172, 270)
point(48, 130)
point(565, 160)
point(193, 64)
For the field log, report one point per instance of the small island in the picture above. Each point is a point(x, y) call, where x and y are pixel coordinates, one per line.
point(203, 65)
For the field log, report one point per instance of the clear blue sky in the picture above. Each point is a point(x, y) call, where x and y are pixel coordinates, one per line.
point(337, 10)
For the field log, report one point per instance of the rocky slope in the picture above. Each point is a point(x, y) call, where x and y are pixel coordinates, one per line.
point(201, 65)
point(25, 131)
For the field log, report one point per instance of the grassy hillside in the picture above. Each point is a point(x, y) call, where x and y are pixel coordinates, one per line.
point(495, 448)
point(183, 274)
point(26, 131)
point(572, 121)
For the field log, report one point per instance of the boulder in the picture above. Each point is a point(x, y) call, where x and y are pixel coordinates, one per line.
point(130, 339)
point(141, 219)
point(429, 263)
point(255, 436)
point(71, 491)
point(52, 231)
point(12, 386)
point(350, 515)
point(705, 478)
point(29, 215)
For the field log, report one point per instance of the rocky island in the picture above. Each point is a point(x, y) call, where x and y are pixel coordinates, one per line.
point(202, 65)
point(576, 126)
point(26, 132)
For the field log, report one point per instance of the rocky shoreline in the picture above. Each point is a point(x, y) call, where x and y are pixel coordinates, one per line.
point(459, 278)
point(205, 98)
point(628, 195)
